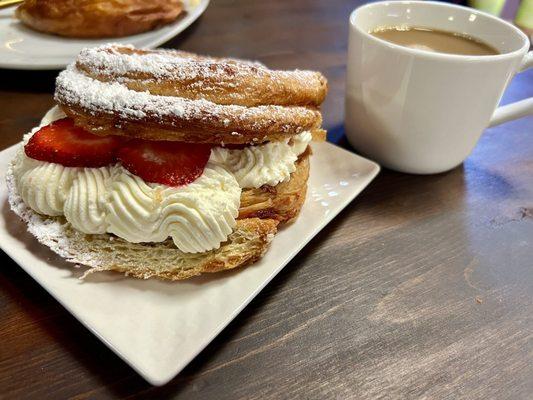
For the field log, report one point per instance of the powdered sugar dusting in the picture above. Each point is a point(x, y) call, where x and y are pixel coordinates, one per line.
point(73, 88)
point(120, 63)
point(111, 60)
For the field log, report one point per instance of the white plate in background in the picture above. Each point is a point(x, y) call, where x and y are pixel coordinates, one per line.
point(24, 48)
point(159, 327)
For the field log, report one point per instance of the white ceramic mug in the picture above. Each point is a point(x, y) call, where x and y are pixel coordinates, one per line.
point(422, 112)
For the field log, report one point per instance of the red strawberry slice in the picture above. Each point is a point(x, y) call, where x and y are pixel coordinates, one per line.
point(168, 163)
point(64, 143)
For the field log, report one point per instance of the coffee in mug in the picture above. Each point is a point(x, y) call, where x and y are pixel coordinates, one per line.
point(435, 40)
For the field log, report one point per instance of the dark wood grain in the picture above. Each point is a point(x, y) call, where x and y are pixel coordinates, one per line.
point(421, 288)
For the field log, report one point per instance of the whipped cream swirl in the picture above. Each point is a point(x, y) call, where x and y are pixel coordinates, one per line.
point(198, 217)
point(266, 164)
point(43, 186)
point(86, 200)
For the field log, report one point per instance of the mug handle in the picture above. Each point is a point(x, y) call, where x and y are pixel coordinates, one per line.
point(518, 109)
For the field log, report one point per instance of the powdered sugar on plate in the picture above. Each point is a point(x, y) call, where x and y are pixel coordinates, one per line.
point(48, 231)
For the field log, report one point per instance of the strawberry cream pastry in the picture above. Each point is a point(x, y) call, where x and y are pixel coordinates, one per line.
point(152, 164)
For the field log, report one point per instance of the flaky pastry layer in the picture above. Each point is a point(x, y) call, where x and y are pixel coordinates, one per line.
point(282, 202)
point(166, 95)
point(222, 81)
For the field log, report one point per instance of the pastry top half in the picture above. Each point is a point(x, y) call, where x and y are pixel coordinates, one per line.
point(98, 18)
point(178, 96)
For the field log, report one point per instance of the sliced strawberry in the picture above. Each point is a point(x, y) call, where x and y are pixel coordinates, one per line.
point(64, 143)
point(168, 163)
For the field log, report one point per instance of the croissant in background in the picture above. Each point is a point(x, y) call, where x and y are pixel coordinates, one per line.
point(98, 18)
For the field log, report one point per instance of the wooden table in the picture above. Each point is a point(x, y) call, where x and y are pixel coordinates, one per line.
point(422, 288)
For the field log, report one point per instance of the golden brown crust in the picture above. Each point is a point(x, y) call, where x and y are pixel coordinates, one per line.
point(259, 231)
point(97, 18)
point(282, 202)
point(266, 125)
point(222, 81)
point(319, 135)
point(200, 100)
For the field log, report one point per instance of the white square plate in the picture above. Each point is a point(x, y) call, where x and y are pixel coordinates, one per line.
point(24, 48)
point(159, 327)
